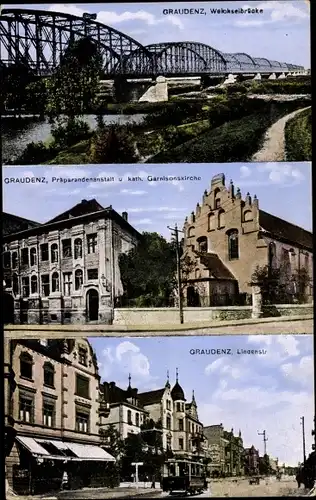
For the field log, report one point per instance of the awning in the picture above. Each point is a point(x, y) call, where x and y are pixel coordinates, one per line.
point(59, 450)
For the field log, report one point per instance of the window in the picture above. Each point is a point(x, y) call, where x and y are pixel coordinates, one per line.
point(306, 263)
point(44, 252)
point(137, 419)
point(33, 284)
point(202, 244)
point(25, 286)
point(217, 202)
point(83, 355)
point(181, 444)
point(92, 274)
point(221, 219)
point(55, 282)
point(168, 404)
point(45, 285)
point(14, 260)
point(92, 243)
point(66, 248)
point(248, 216)
point(7, 260)
point(8, 283)
point(189, 426)
point(190, 232)
point(26, 365)
point(129, 417)
point(272, 255)
point(178, 406)
point(78, 248)
point(168, 423)
point(48, 413)
point(67, 284)
point(49, 374)
point(233, 245)
point(25, 256)
point(15, 287)
point(181, 424)
point(82, 421)
point(82, 386)
point(197, 273)
point(54, 252)
point(26, 408)
point(78, 279)
point(33, 255)
point(211, 222)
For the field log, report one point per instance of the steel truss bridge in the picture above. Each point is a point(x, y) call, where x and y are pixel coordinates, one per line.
point(38, 39)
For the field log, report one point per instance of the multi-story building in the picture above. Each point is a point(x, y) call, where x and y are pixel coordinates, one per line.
point(66, 270)
point(52, 402)
point(125, 411)
point(227, 237)
point(251, 460)
point(234, 452)
point(217, 449)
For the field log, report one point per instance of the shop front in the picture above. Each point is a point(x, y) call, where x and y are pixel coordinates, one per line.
point(47, 465)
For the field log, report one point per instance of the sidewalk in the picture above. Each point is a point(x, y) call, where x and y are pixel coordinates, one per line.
point(14, 331)
point(92, 494)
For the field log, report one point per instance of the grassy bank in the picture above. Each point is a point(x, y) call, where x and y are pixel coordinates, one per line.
point(236, 140)
point(298, 137)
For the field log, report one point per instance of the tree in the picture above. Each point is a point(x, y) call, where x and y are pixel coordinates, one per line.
point(14, 81)
point(73, 89)
point(113, 144)
point(111, 440)
point(269, 280)
point(148, 272)
point(301, 279)
point(264, 465)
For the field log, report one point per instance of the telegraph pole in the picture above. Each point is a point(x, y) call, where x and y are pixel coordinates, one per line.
point(303, 436)
point(265, 439)
point(175, 233)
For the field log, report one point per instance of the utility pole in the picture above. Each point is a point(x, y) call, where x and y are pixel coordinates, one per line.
point(303, 436)
point(175, 233)
point(265, 439)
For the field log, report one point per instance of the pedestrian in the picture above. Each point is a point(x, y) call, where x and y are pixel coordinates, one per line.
point(153, 484)
point(298, 479)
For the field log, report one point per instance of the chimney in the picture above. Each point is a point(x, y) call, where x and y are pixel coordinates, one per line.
point(84, 202)
point(125, 216)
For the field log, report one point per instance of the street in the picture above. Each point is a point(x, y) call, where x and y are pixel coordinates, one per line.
point(267, 487)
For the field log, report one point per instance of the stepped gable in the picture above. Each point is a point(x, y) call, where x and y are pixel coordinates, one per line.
point(284, 230)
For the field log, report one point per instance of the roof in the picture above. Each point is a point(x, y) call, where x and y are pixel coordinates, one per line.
point(284, 230)
point(216, 267)
point(177, 392)
point(82, 208)
point(13, 223)
point(151, 397)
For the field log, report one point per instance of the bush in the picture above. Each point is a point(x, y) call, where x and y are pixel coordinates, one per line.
point(298, 137)
point(286, 86)
point(69, 131)
point(179, 113)
point(113, 144)
point(35, 153)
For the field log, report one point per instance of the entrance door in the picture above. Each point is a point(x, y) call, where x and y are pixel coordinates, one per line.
point(92, 305)
point(193, 299)
point(8, 308)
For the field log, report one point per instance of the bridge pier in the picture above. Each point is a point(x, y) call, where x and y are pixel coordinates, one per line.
point(257, 76)
point(230, 79)
point(281, 76)
point(157, 92)
point(272, 76)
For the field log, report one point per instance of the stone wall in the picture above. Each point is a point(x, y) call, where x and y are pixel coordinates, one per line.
point(155, 316)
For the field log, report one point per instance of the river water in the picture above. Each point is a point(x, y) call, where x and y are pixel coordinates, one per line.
point(16, 134)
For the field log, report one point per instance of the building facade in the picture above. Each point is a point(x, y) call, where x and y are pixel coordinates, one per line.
point(52, 401)
point(251, 456)
point(217, 449)
point(227, 237)
point(66, 270)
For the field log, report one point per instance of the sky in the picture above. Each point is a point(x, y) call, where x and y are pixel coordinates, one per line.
point(283, 189)
point(281, 32)
point(248, 392)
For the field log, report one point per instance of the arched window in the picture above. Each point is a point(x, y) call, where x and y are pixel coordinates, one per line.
point(78, 248)
point(33, 256)
point(49, 373)
point(286, 262)
point(129, 417)
point(14, 260)
point(15, 284)
point(26, 365)
point(211, 222)
point(306, 262)
point(168, 423)
point(233, 244)
point(221, 219)
point(54, 252)
point(272, 255)
point(202, 244)
point(197, 273)
point(137, 419)
point(191, 232)
point(248, 216)
point(33, 284)
point(55, 282)
point(78, 279)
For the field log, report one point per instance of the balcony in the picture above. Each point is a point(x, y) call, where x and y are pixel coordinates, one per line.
point(104, 409)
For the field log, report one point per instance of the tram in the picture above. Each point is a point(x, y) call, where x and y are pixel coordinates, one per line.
point(184, 476)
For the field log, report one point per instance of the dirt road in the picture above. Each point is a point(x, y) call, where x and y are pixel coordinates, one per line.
point(269, 487)
point(273, 148)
